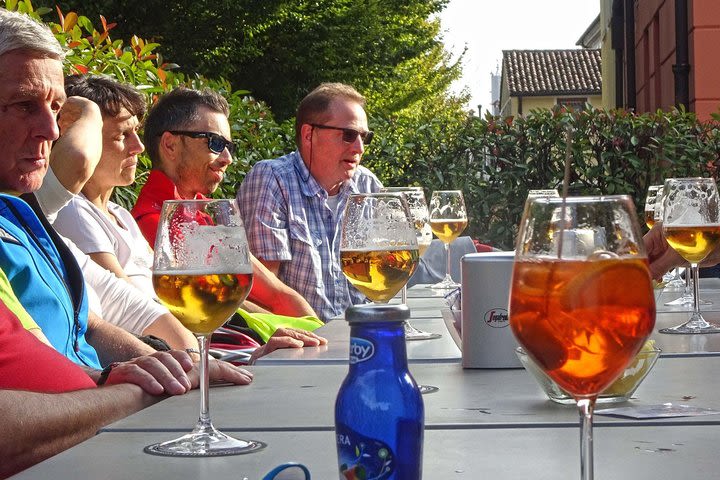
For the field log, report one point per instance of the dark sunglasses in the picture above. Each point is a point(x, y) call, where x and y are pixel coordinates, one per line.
point(349, 134)
point(216, 143)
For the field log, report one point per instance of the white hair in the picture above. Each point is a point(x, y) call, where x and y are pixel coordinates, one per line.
point(22, 32)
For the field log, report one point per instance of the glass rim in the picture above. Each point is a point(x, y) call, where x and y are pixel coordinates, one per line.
point(200, 200)
point(581, 199)
point(399, 189)
point(687, 179)
point(377, 194)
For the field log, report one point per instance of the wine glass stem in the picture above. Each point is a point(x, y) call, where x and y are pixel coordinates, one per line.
point(403, 295)
point(447, 255)
point(204, 420)
point(696, 288)
point(585, 408)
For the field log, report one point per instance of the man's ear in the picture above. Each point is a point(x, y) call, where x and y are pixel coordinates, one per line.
point(306, 132)
point(168, 146)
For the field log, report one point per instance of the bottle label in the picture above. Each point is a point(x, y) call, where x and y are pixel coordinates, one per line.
point(361, 350)
point(361, 457)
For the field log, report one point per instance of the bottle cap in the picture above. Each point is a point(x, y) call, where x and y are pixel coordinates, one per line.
point(376, 313)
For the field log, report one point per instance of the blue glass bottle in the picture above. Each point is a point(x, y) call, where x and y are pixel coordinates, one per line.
point(379, 413)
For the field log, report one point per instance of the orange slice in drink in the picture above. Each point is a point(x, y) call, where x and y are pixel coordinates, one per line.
point(608, 282)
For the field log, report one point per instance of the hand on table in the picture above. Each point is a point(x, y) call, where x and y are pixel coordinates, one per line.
point(173, 373)
point(288, 338)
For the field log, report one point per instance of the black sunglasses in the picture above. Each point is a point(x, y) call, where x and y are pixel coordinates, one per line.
point(349, 134)
point(216, 143)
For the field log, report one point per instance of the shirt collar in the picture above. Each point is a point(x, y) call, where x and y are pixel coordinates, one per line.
point(156, 190)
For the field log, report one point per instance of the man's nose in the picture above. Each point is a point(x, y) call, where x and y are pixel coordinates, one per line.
point(45, 124)
point(225, 158)
point(357, 146)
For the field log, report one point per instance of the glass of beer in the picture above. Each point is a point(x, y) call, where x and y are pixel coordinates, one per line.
point(691, 225)
point(650, 203)
point(378, 248)
point(202, 273)
point(420, 218)
point(581, 299)
point(448, 219)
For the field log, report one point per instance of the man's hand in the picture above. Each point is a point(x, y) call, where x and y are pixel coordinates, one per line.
point(288, 338)
point(662, 257)
point(173, 373)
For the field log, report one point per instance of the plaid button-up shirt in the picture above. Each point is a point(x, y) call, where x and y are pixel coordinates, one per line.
point(288, 219)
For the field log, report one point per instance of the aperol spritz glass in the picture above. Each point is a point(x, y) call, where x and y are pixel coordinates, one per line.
point(581, 301)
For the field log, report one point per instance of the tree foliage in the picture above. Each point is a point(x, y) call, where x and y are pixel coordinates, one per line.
point(280, 49)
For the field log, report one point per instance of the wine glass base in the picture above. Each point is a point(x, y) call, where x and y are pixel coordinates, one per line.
point(675, 285)
point(208, 444)
point(686, 329)
point(445, 284)
point(686, 301)
point(421, 335)
point(426, 389)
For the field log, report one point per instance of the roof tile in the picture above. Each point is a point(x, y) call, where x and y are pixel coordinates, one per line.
point(552, 72)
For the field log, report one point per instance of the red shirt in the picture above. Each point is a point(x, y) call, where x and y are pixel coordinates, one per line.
point(28, 364)
point(146, 211)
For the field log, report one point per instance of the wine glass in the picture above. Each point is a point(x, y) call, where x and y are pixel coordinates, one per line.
point(202, 273)
point(691, 225)
point(448, 219)
point(378, 248)
point(650, 204)
point(581, 299)
point(672, 279)
point(420, 218)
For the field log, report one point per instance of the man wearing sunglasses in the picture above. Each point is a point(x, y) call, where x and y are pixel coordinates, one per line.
point(293, 205)
point(187, 136)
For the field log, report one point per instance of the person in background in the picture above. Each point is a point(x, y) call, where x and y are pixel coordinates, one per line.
point(293, 205)
point(187, 136)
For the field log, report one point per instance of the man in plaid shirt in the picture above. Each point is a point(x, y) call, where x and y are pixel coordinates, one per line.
point(293, 205)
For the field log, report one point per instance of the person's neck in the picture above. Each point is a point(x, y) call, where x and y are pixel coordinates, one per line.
point(182, 193)
point(98, 195)
point(334, 189)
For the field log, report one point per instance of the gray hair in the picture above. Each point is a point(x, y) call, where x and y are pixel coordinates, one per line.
point(22, 32)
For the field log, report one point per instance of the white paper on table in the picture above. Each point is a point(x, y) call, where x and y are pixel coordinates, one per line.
point(665, 410)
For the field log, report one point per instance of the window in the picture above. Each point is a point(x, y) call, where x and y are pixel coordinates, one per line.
point(575, 103)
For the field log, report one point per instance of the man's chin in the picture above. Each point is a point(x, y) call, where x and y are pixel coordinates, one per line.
point(25, 184)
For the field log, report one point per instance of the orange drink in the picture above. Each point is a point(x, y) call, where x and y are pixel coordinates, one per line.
point(693, 243)
point(582, 321)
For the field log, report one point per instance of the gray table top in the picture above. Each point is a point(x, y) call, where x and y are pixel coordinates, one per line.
point(337, 332)
point(648, 453)
point(669, 316)
point(295, 397)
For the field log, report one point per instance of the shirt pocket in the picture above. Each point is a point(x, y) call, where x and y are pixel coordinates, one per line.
point(300, 232)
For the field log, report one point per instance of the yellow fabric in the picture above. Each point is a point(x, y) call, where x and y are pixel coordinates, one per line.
point(265, 324)
point(11, 301)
